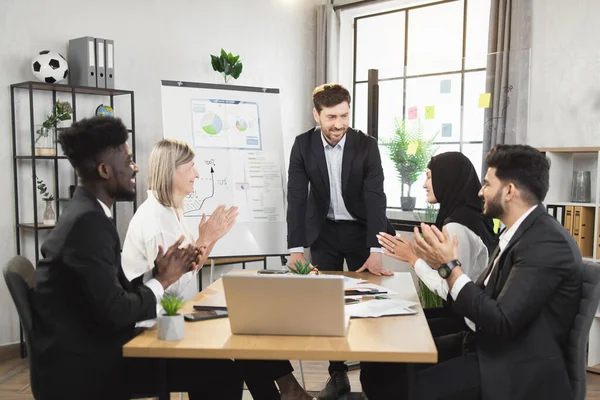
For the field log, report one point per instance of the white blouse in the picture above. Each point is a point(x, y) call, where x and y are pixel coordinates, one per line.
point(472, 253)
point(154, 224)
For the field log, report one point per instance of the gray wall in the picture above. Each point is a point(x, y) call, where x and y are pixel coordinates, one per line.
point(565, 74)
point(155, 40)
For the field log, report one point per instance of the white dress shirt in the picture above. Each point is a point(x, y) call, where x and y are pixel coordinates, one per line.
point(337, 208)
point(152, 225)
point(473, 255)
point(153, 284)
point(505, 238)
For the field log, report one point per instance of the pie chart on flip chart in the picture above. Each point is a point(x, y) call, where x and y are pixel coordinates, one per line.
point(241, 125)
point(211, 124)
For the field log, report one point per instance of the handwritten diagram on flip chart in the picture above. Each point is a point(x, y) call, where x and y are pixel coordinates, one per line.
point(236, 133)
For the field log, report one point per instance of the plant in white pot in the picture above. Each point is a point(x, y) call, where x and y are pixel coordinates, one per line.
point(170, 323)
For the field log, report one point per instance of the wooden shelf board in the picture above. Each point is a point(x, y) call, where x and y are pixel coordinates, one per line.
point(33, 226)
point(569, 203)
point(66, 199)
point(41, 157)
point(570, 149)
point(69, 89)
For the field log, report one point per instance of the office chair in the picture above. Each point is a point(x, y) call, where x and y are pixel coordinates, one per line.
point(19, 275)
point(578, 337)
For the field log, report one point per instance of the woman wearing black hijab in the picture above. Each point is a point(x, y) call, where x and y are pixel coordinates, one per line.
point(453, 183)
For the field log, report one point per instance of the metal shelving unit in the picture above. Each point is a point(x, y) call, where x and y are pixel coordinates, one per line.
point(33, 227)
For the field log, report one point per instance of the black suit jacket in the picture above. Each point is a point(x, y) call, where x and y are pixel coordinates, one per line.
point(362, 187)
point(84, 309)
point(525, 313)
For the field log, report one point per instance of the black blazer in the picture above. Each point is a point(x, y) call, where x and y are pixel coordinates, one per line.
point(84, 309)
point(362, 187)
point(524, 318)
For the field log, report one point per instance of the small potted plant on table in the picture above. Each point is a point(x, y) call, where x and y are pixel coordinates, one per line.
point(170, 323)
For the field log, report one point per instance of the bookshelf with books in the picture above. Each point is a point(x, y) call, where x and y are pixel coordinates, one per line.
point(582, 220)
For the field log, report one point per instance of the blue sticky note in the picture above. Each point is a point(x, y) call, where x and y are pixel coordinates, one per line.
point(445, 86)
point(446, 130)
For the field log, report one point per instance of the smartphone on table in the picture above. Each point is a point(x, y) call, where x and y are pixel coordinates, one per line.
point(272, 271)
point(204, 315)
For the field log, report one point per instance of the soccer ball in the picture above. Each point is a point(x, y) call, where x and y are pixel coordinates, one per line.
point(50, 67)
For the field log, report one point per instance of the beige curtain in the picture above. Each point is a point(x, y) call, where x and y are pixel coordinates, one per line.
point(327, 44)
point(507, 74)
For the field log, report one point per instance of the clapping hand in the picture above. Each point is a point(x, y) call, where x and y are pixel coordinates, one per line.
point(435, 246)
point(397, 247)
point(175, 262)
point(216, 226)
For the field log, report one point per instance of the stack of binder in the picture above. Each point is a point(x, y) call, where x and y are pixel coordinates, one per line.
point(91, 62)
point(579, 222)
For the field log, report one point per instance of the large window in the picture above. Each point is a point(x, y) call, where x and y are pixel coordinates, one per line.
point(431, 60)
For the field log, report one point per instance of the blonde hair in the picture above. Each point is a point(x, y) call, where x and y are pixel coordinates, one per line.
point(166, 156)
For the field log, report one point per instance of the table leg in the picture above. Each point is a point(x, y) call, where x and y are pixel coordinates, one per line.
point(163, 391)
point(412, 381)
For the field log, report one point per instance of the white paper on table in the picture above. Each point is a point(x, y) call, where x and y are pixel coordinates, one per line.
point(370, 287)
point(352, 282)
point(379, 308)
point(215, 300)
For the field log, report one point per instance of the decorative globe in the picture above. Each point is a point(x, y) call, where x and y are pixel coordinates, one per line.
point(105, 111)
point(50, 67)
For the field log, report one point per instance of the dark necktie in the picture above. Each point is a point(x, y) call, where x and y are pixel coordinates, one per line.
point(486, 272)
point(491, 286)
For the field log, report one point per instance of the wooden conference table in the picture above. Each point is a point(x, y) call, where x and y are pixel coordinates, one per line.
point(405, 339)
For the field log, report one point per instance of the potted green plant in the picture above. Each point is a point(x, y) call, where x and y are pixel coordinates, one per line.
point(410, 152)
point(49, 217)
point(227, 64)
point(45, 142)
point(302, 268)
point(426, 296)
point(170, 323)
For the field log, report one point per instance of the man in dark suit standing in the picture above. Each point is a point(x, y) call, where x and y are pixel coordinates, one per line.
point(521, 309)
point(344, 210)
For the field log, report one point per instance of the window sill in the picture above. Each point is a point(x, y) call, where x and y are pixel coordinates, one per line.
point(404, 220)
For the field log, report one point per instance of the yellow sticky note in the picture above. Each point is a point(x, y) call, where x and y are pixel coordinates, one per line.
point(429, 112)
point(485, 100)
point(496, 225)
point(412, 148)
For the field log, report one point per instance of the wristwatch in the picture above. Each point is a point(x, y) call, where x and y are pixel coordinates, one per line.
point(446, 269)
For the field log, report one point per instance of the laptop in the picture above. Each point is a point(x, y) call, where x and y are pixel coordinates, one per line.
point(286, 305)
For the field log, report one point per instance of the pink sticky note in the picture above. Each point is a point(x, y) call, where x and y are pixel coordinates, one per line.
point(412, 113)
